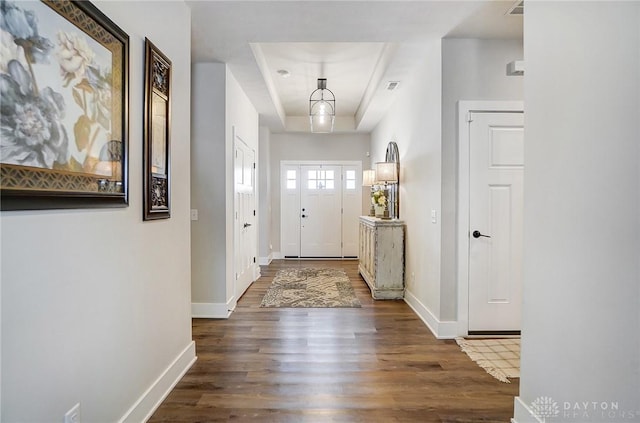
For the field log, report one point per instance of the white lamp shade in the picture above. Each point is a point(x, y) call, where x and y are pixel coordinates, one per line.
point(368, 178)
point(386, 172)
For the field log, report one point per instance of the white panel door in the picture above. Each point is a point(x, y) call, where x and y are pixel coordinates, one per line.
point(351, 209)
point(320, 206)
point(495, 221)
point(244, 204)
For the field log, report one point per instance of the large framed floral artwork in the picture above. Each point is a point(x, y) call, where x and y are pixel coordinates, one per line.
point(64, 70)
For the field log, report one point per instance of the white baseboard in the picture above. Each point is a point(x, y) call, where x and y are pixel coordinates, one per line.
point(256, 272)
point(146, 405)
point(265, 261)
point(522, 413)
point(441, 330)
point(212, 310)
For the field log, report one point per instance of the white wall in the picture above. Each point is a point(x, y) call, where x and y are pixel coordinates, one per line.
point(423, 122)
point(472, 69)
point(306, 146)
point(241, 120)
point(208, 183)
point(264, 218)
point(581, 327)
point(219, 107)
point(95, 303)
point(414, 123)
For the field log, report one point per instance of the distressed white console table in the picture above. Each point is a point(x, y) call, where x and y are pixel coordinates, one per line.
point(382, 256)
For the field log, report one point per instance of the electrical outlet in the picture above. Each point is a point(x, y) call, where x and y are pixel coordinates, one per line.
point(73, 415)
point(194, 214)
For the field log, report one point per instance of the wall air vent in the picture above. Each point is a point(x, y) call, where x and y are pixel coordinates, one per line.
point(392, 85)
point(516, 9)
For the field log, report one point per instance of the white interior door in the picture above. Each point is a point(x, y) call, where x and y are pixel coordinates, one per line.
point(245, 230)
point(321, 215)
point(495, 221)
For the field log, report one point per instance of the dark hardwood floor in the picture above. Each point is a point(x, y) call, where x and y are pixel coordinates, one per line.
point(378, 363)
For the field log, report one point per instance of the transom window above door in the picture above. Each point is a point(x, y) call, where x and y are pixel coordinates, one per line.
point(320, 179)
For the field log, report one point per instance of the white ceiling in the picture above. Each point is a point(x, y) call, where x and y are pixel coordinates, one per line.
point(348, 68)
point(357, 45)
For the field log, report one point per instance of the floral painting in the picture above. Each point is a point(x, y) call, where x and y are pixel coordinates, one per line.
point(62, 97)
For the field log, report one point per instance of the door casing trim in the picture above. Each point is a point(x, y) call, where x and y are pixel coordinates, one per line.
point(462, 215)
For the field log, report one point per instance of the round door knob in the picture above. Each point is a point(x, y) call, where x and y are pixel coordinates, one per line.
point(304, 215)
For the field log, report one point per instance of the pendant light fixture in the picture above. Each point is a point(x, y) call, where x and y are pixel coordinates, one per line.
point(322, 108)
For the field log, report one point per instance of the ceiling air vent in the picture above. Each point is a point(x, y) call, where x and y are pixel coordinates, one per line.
point(392, 85)
point(517, 9)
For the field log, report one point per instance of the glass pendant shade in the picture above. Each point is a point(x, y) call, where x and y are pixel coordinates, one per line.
point(321, 117)
point(322, 111)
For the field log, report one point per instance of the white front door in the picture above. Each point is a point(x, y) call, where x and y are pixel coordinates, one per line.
point(321, 211)
point(496, 154)
point(244, 204)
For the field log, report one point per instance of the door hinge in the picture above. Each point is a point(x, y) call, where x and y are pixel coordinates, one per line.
point(254, 259)
point(254, 212)
point(254, 165)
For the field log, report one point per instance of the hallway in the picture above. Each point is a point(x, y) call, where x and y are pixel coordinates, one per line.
point(378, 363)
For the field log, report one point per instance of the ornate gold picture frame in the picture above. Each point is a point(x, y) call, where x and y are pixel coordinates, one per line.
point(64, 74)
point(157, 127)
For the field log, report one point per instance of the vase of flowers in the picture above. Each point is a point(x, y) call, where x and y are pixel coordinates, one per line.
point(379, 202)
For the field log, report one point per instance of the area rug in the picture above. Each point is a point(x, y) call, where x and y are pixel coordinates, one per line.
point(498, 357)
point(310, 287)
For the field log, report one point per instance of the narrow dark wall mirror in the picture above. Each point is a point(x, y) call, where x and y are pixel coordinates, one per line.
point(392, 155)
point(157, 127)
